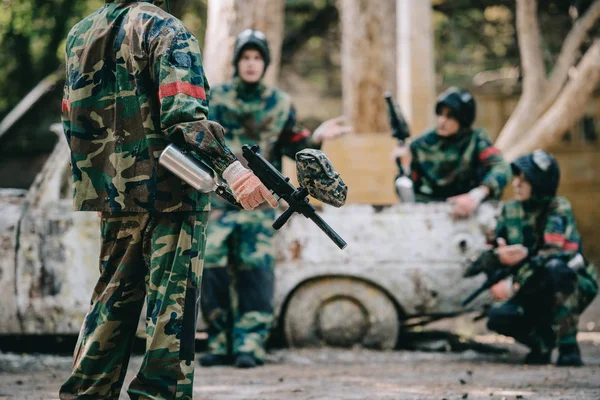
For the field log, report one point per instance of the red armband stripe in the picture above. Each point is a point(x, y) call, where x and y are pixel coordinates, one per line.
point(487, 153)
point(555, 238)
point(414, 176)
point(298, 136)
point(574, 246)
point(171, 89)
point(66, 106)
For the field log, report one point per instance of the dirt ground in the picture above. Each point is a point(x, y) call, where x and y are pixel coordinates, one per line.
point(350, 374)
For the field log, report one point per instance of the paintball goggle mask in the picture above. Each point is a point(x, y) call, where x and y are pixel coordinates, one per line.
point(316, 174)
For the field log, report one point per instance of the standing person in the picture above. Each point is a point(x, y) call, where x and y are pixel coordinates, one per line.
point(134, 84)
point(238, 281)
point(555, 285)
point(455, 162)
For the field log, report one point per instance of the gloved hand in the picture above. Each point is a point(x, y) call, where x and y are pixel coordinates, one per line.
point(466, 204)
point(510, 255)
point(247, 189)
point(502, 290)
point(331, 129)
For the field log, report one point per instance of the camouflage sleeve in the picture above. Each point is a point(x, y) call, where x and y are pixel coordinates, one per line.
point(65, 108)
point(415, 166)
point(294, 138)
point(182, 91)
point(497, 171)
point(560, 232)
point(501, 231)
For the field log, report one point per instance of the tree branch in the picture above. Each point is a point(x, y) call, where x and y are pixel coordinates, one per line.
point(570, 48)
point(569, 108)
point(534, 76)
point(532, 61)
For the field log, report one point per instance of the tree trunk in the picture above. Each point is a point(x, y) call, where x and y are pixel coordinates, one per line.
point(568, 108)
point(227, 18)
point(549, 106)
point(368, 61)
point(416, 67)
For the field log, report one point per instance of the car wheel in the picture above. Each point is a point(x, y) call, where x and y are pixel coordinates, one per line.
point(341, 312)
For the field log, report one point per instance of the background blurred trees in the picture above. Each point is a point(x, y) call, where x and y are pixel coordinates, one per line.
point(472, 36)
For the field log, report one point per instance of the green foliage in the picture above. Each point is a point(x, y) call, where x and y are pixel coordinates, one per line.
point(472, 36)
point(31, 39)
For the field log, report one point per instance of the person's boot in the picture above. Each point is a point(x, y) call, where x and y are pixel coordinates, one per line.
point(246, 360)
point(537, 357)
point(213, 360)
point(569, 356)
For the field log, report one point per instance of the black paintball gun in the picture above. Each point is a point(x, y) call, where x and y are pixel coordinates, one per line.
point(404, 185)
point(399, 126)
point(281, 186)
point(488, 263)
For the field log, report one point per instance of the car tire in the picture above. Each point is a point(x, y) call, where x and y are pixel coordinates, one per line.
point(341, 312)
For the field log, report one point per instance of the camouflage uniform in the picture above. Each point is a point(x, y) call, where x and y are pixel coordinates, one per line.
point(238, 276)
point(134, 84)
point(549, 297)
point(443, 167)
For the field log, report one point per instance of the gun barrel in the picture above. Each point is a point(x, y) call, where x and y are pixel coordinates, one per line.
point(337, 239)
point(474, 295)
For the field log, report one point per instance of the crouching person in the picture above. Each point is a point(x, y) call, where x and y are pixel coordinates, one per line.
point(554, 284)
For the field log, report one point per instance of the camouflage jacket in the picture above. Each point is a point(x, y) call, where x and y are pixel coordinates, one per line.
point(258, 114)
point(547, 229)
point(134, 83)
point(444, 167)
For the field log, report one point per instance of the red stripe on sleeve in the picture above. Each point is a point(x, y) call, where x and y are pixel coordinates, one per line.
point(171, 89)
point(555, 238)
point(574, 246)
point(66, 106)
point(487, 153)
point(298, 136)
point(414, 176)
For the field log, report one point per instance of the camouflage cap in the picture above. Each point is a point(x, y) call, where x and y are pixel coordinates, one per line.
point(316, 174)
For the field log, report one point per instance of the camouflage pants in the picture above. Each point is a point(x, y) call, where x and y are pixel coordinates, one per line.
point(529, 314)
point(569, 306)
point(238, 281)
point(160, 257)
point(552, 317)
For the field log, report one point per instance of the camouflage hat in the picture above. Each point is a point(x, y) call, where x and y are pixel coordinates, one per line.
point(251, 38)
point(541, 170)
point(461, 102)
point(316, 174)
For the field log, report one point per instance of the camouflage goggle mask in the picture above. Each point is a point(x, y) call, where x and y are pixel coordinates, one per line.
point(316, 174)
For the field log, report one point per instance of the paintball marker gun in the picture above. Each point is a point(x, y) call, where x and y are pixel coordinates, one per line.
point(400, 132)
point(195, 172)
point(280, 185)
point(488, 263)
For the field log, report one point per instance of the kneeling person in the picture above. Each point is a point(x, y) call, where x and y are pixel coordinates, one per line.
point(554, 284)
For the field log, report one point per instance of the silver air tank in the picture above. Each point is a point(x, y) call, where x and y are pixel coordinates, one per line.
point(195, 173)
point(404, 187)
